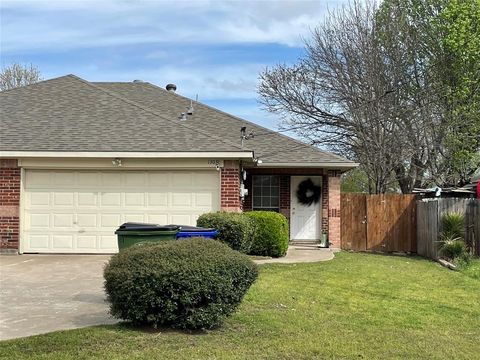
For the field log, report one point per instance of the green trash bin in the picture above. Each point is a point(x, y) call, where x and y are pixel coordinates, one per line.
point(130, 234)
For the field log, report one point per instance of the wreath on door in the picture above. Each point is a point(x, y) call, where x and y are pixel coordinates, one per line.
point(308, 193)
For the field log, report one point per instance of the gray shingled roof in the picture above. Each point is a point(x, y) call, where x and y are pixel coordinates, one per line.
point(71, 114)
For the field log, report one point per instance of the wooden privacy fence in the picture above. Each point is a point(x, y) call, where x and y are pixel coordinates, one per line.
point(429, 224)
point(385, 223)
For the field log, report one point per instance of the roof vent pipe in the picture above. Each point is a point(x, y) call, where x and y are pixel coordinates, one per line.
point(171, 87)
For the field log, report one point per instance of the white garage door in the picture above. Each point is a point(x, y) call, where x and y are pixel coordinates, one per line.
point(78, 211)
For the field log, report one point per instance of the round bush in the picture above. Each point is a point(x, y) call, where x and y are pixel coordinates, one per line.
point(234, 229)
point(188, 284)
point(271, 233)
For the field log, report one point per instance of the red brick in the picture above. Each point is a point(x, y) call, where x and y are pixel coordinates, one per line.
point(230, 187)
point(9, 204)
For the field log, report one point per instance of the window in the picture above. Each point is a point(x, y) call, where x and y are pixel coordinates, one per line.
point(265, 189)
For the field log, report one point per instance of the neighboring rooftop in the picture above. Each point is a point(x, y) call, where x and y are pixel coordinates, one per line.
point(71, 114)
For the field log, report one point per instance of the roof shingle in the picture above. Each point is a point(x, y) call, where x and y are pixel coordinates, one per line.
point(71, 114)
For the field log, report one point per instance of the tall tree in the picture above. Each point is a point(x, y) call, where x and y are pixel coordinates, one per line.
point(16, 75)
point(440, 42)
point(371, 86)
point(460, 22)
point(342, 94)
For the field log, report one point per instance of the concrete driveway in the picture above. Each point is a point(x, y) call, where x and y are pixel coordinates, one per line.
point(44, 293)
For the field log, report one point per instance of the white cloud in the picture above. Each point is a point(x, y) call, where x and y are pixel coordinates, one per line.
point(228, 81)
point(72, 24)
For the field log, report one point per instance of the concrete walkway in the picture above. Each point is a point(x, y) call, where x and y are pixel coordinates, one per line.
point(300, 253)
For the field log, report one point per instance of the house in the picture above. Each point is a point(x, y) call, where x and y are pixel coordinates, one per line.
point(79, 158)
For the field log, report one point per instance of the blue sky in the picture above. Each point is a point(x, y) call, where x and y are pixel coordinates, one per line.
point(215, 49)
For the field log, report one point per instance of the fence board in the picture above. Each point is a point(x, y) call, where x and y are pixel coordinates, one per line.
point(427, 228)
point(390, 226)
point(429, 225)
point(353, 222)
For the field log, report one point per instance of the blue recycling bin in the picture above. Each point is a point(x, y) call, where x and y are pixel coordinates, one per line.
point(193, 231)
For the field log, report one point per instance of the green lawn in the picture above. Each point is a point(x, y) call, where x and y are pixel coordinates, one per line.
point(473, 269)
point(357, 306)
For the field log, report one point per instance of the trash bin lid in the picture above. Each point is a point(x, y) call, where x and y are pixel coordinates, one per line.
point(147, 227)
point(193, 228)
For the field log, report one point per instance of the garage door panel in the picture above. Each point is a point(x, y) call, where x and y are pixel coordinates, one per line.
point(134, 199)
point(204, 181)
point(87, 220)
point(134, 218)
point(181, 199)
point(108, 242)
point(38, 179)
point(182, 179)
point(38, 221)
point(63, 220)
point(62, 242)
point(135, 179)
point(86, 242)
point(158, 219)
point(157, 199)
point(110, 220)
point(181, 219)
point(63, 179)
point(40, 242)
point(89, 179)
point(157, 180)
point(63, 199)
point(87, 198)
point(204, 199)
point(38, 199)
point(79, 211)
point(111, 179)
point(111, 199)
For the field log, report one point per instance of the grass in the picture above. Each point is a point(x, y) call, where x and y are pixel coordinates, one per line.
point(358, 306)
point(472, 269)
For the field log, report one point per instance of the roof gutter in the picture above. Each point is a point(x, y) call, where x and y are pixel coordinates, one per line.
point(329, 165)
point(126, 155)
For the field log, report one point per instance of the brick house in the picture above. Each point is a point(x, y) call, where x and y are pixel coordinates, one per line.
point(79, 158)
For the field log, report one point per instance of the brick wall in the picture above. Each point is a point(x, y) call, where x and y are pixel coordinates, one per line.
point(9, 204)
point(325, 204)
point(247, 201)
point(285, 196)
point(230, 187)
point(334, 235)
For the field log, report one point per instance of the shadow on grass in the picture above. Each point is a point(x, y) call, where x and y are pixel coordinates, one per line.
point(397, 255)
point(147, 329)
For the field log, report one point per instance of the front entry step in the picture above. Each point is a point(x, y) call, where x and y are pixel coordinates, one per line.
point(306, 245)
point(304, 242)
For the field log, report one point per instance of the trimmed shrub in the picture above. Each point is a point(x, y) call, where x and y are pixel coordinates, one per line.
point(271, 233)
point(188, 284)
point(234, 229)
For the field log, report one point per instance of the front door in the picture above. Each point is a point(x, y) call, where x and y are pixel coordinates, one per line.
point(305, 220)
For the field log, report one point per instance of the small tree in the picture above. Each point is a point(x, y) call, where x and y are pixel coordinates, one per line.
point(16, 75)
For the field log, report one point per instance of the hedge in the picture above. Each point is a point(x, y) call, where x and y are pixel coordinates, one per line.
point(271, 234)
point(234, 229)
point(188, 284)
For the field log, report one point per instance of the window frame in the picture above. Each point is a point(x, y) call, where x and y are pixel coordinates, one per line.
point(263, 189)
